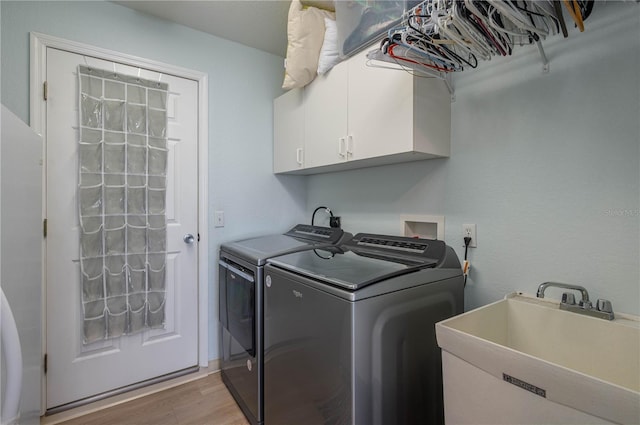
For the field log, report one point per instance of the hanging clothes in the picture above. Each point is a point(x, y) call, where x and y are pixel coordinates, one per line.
point(438, 37)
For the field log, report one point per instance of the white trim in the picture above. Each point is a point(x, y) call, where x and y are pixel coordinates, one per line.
point(38, 56)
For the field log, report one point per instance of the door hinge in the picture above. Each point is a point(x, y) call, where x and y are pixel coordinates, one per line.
point(46, 363)
point(198, 237)
point(44, 227)
point(45, 87)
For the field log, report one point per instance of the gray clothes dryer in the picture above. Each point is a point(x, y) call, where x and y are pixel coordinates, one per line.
point(350, 332)
point(241, 269)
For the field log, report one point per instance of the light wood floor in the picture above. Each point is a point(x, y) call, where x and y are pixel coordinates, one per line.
point(205, 401)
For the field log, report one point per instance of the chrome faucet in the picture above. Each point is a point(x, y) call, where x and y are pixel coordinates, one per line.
point(603, 308)
point(544, 286)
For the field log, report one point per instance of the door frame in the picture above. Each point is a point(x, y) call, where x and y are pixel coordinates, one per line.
point(37, 117)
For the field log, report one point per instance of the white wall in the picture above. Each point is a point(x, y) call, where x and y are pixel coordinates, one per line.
point(242, 83)
point(547, 166)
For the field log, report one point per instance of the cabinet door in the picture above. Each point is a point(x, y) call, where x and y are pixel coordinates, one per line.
point(288, 131)
point(326, 118)
point(380, 110)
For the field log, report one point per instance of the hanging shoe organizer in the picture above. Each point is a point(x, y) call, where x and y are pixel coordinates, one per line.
point(121, 196)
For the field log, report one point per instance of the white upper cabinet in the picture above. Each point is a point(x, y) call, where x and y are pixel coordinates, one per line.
point(288, 132)
point(358, 116)
point(326, 113)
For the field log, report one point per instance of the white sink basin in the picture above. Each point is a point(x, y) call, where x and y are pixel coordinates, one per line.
point(582, 363)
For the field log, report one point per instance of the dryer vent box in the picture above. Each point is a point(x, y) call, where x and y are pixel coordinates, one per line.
point(423, 226)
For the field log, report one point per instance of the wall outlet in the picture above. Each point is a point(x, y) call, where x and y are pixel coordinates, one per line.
point(469, 230)
point(334, 221)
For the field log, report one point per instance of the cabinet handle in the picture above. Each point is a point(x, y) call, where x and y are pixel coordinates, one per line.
point(299, 156)
point(341, 147)
point(350, 145)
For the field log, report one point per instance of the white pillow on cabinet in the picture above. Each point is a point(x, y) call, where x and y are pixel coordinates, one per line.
point(305, 31)
point(329, 55)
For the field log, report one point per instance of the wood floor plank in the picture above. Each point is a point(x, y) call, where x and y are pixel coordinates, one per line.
point(204, 401)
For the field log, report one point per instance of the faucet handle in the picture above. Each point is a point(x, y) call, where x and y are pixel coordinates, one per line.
point(568, 298)
point(604, 305)
point(586, 304)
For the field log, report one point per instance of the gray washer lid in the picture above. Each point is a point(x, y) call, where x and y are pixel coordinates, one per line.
point(348, 270)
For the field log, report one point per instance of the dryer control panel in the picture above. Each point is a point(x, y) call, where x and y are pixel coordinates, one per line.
point(316, 233)
point(411, 249)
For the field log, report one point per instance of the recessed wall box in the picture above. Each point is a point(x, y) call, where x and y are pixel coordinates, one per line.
point(423, 226)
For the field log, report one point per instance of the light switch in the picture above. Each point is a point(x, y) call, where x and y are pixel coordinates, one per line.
point(218, 218)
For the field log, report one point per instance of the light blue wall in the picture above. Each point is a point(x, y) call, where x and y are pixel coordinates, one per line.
point(547, 166)
point(242, 83)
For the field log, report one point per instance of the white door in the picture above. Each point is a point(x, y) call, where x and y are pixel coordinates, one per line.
point(77, 371)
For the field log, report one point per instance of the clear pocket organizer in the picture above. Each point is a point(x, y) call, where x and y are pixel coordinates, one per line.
point(115, 235)
point(92, 136)
point(137, 270)
point(113, 115)
point(136, 239)
point(91, 111)
point(117, 316)
point(90, 157)
point(136, 94)
point(92, 267)
point(157, 239)
point(114, 158)
point(91, 242)
point(136, 159)
point(92, 288)
point(136, 118)
point(157, 142)
point(157, 99)
point(157, 199)
point(157, 123)
point(137, 200)
point(137, 312)
point(157, 161)
point(114, 199)
point(91, 86)
point(116, 283)
point(114, 90)
point(155, 309)
point(137, 280)
point(90, 180)
point(122, 163)
point(94, 329)
point(156, 270)
point(94, 323)
point(90, 198)
point(157, 182)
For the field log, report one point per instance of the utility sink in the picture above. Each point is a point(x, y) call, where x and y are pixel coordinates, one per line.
point(551, 365)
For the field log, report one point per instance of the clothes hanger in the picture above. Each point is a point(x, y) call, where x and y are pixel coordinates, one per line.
point(574, 10)
point(499, 40)
point(558, 11)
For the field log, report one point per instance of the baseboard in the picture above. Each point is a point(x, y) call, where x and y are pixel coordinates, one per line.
point(213, 367)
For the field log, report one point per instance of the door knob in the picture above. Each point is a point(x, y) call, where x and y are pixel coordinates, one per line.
point(188, 238)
